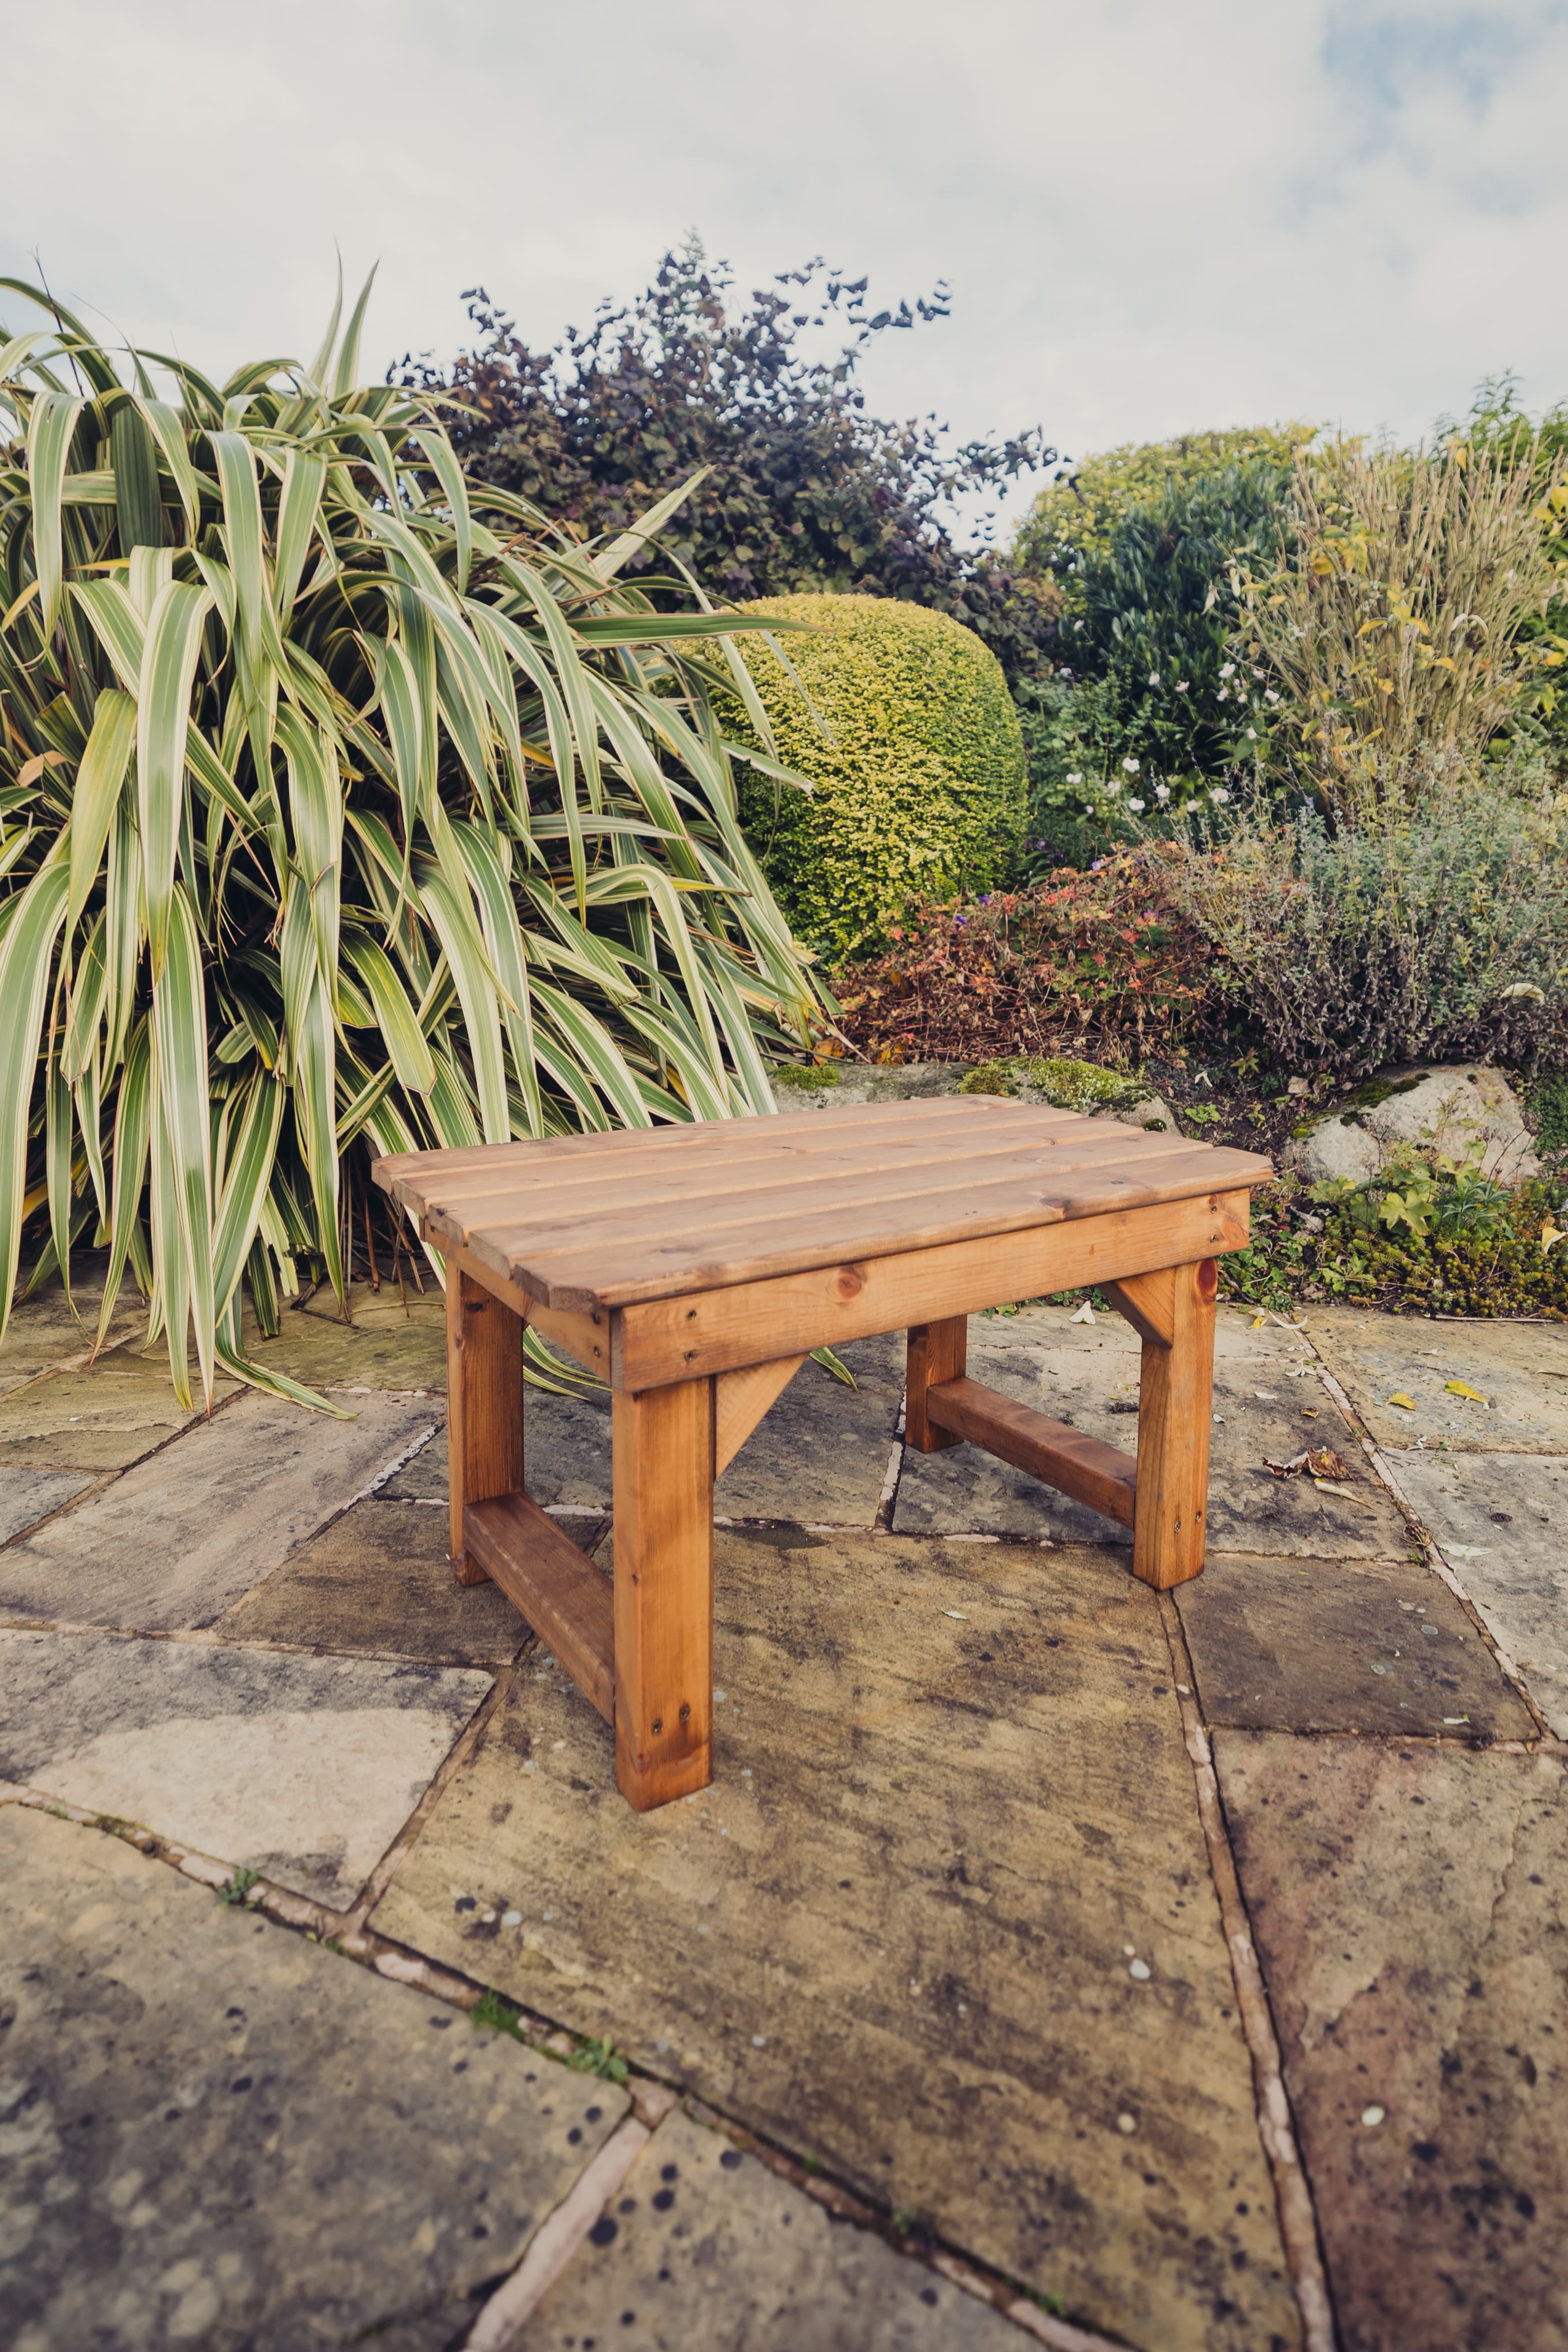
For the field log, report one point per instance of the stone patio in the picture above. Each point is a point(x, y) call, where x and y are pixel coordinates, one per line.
point(1048, 1960)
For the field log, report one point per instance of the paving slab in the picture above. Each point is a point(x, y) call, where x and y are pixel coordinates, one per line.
point(29, 1496)
point(219, 2133)
point(706, 2246)
point(378, 1581)
point(1501, 1523)
point(821, 1451)
point(385, 1345)
point(1521, 1369)
point(41, 1331)
point(96, 1420)
point(1409, 1906)
point(300, 1769)
point(1374, 1646)
point(943, 1921)
point(1268, 1403)
point(179, 1539)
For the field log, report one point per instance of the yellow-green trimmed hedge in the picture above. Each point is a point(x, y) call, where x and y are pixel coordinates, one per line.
point(923, 791)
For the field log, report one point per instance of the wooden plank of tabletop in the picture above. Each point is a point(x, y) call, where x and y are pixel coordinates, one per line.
point(509, 1170)
point(723, 1202)
point(657, 1264)
point(554, 1193)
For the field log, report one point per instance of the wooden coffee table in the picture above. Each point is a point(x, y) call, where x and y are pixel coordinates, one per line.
point(694, 1269)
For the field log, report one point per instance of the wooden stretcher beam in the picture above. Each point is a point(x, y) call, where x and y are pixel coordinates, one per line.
point(568, 1601)
point(1052, 1451)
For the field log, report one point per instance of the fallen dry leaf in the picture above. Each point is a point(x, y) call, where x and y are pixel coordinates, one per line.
point(1326, 1463)
point(1463, 1387)
point(1399, 1398)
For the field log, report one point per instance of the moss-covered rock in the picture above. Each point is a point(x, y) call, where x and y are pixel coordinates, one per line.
point(922, 788)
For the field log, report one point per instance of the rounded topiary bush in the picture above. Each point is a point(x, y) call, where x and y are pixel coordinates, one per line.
point(921, 791)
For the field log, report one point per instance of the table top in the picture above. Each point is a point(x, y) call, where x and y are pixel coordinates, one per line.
point(584, 1221)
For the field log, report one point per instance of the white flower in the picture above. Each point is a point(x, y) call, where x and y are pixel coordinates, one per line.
point(1161, 791)
point(1137, 807)
point(1257, 673)
point(1131, 767)
point(1269, 695)
point(1219, 796)
point(1181, 685)
point(1252, 734)
point(1224, 694)
point(1076, 776)
point(1115, 787)
point(1153, 678)
point(1227, 669)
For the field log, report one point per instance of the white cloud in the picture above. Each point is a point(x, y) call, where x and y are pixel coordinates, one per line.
point(1150, 217)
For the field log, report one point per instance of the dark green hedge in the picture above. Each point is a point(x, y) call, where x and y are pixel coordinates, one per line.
point(921, 791)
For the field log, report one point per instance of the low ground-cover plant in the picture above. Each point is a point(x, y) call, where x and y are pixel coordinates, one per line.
point(902, 723)
point(341, 811)
point(1435, 927)
point(1413, 1240)
point(1100, 959)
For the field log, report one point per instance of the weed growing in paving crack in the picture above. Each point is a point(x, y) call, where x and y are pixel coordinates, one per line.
point(237, 1888)
point(601, 2058)
point(492, 2014)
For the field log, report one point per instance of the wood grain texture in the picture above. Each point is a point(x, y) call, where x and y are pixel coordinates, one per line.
point(663, 1489)
point(555, 1586)
point(586, 1337)
point(740, 1401)
point(1051, 1451)
point(484, 1407)
point(584, 1224)
point(936, 1352)
point(721, 1330)
point(1175, 1402)
point(1147, 1301)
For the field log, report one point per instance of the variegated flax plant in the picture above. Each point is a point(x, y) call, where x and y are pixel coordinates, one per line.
point(344, 809)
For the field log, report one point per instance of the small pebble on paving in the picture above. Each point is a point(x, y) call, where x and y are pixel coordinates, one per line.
point(221, 2135)
point(300, 1769)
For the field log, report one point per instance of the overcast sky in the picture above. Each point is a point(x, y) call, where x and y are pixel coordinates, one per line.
point(1154, 214)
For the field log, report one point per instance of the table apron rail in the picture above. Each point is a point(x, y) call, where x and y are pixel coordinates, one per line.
point(669, 1339)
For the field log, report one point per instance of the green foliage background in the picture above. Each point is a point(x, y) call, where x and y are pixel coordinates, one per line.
point(804, 490)
point(919, 784)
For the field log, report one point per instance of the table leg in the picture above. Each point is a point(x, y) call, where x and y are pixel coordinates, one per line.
point(1175, 1407)
point(937, 1352)
point(484, 1406)
point(664, 1591)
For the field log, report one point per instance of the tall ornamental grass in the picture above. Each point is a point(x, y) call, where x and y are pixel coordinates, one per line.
point(339, 806)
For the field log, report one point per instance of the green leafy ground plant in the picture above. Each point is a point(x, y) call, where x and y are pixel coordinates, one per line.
point(343, 807)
